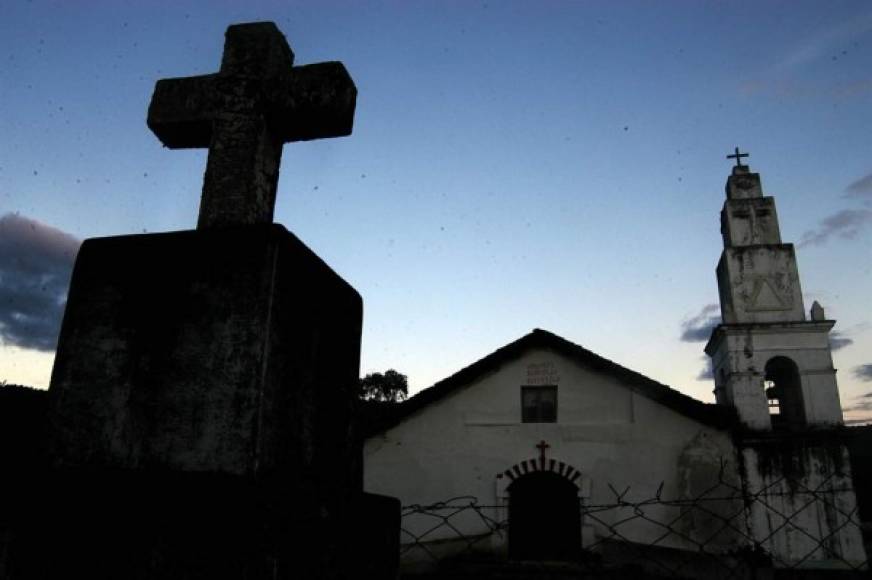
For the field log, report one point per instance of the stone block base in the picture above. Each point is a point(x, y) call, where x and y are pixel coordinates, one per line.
point(232, 351)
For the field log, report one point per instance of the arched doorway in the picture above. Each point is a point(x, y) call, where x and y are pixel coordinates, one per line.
point(544, 517)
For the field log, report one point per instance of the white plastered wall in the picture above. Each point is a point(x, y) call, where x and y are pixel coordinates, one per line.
point(459, 446)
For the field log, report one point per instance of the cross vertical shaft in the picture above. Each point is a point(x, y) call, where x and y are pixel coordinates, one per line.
point(242, 173)
point(542, 446)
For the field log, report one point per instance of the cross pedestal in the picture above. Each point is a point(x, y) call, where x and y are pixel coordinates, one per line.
point(231, 351)
point(202, 403)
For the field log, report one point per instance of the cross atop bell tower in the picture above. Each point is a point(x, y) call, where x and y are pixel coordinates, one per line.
point(738, 157)
point(770, 363)
point(245, 113)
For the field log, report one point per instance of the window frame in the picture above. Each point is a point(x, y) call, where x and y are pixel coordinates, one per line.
point(538, 418)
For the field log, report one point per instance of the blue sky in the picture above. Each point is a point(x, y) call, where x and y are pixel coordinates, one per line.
point(513, 165)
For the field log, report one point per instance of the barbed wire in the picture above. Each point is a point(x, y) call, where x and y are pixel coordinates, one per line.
point(731, 545)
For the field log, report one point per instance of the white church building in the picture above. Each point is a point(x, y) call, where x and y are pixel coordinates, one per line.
point(544, 450)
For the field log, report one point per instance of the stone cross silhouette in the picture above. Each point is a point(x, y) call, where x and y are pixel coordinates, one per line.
point(245, 113)
point(738, 157)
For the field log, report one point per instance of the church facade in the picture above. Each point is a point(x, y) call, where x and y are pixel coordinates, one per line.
point(544, 450)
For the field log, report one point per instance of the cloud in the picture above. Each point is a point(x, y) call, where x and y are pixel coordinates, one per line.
point(707, 373)
point(36, 261)
point(845, 224)
point(861, 188)
point(839, 340)
point(789, 88)
point(794, 72)
point(825, 43)
point(864, 373)
point(699, 328)
point(852, 89)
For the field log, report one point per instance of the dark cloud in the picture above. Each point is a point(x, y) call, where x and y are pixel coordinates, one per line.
point(36, 261)
point(845, 224)
point(707, 373)
point(861, 188)
point(699, 328)
point(839, 340)
point(864, 373)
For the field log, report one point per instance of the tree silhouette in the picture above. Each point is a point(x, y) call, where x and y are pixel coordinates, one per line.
point(390, 387)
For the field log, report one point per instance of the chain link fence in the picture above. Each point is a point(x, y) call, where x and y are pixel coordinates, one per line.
point(727, 531)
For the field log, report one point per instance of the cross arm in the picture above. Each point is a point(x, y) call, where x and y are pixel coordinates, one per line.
point(313, 102)
point(182, 110)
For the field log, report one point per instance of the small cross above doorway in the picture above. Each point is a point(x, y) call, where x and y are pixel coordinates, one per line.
point(542, 446)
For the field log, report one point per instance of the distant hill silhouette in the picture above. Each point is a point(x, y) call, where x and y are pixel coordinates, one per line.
point(22, 428)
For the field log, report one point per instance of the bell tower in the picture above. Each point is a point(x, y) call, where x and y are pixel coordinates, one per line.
point(770, 362)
